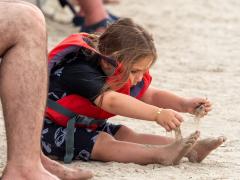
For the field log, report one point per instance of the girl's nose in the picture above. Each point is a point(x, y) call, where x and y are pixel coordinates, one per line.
point(139, 77)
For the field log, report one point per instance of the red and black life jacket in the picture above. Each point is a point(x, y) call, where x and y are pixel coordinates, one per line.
point(79, 104)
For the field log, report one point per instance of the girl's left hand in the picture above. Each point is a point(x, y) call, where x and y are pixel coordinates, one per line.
point(191, 104)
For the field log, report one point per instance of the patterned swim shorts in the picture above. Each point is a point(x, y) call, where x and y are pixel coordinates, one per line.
point(53, 140)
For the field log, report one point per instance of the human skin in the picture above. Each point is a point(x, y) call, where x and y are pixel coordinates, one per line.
point(108, 148)
point(23, 90)
point(128, 145)
point(93, 11)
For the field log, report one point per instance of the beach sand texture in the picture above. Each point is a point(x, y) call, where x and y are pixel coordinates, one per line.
point(198, 45)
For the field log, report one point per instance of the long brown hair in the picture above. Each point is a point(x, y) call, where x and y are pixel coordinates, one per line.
point(127, 43)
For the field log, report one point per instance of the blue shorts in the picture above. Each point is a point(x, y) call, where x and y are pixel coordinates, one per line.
point(53, 140)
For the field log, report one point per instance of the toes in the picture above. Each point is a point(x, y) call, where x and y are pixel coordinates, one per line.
point(194, 136)
point(86, 174)
point(191, 140)
point(189, 144)
point(222, 139)
point(197, 134)
point(82, 174)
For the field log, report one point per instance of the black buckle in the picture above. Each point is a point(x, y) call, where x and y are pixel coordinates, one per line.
point(87, 121)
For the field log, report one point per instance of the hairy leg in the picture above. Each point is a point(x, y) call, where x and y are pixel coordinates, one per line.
point(107, 148)
point(197, 154)
point(23, 87)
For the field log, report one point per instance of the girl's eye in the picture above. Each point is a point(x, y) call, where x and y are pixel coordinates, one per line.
point(134, 72)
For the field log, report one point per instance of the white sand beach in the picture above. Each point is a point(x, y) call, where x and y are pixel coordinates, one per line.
point(198, 45)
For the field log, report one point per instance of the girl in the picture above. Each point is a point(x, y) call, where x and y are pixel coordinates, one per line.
point(100, 77)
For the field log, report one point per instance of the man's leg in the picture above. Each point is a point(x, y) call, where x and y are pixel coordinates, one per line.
point(64, 172)
point(94, 12)
point(23, 87)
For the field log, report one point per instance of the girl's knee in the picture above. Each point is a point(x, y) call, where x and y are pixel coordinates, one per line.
point(104, 137)
point(103, 141)
point(124, 133)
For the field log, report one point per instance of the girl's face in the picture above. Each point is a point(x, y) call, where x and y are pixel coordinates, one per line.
point(139, 69)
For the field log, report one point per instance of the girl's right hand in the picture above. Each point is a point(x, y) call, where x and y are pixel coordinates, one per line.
point(169, 119)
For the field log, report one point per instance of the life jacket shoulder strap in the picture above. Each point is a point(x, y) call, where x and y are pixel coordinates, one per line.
point(73, 120)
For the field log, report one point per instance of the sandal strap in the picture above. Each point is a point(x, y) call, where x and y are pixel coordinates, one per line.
point(78, 20)
point(92, 28)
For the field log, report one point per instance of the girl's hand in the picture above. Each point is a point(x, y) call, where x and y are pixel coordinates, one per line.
point(191, 104)
point(169, 119)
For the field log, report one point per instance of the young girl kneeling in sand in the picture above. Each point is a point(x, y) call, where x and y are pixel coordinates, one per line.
point(100, 77)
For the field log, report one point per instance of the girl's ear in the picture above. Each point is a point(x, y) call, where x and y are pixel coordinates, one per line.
point(106, 67)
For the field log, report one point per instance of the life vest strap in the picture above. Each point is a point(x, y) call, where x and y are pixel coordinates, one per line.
point(59, 108)
point(80, 119)
point(69, 141)
point(74, 119)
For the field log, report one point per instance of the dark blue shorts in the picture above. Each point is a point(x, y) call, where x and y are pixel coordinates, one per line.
point(53, 140)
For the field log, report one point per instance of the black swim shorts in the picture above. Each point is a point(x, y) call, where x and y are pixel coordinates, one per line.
point(53, 140)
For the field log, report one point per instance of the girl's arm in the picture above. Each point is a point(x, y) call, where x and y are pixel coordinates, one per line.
point(125, 105)
point(164, 99)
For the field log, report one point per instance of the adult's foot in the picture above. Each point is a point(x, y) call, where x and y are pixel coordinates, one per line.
point(203, 148)
point(173, 153)
point(64, 172)
point(110, 1)
point(28, 172)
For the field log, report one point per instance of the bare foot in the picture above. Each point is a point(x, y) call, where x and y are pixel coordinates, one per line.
point(173, 153)
point(26, 173)
point(64, 172)
point(203, 148)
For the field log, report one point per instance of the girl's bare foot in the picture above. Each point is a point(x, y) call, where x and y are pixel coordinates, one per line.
point(64, 172)
point(203, 148)
point(173, 153)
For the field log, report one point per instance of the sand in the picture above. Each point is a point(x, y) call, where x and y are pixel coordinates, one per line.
point(198, 44)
